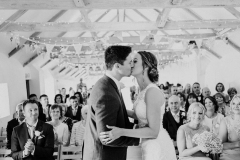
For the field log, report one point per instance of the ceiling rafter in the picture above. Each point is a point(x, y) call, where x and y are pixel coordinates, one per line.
point(142, 15)
point(47, 62)
point(164, 17)
point(120, 26)
point(233, 11)
point(15, 50)
point(234, 45)
point(13, 18)
point(106, 4)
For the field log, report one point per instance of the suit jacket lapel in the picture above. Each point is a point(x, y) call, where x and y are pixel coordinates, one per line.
point(172, 120)
point(113, 84)
point(23, 134)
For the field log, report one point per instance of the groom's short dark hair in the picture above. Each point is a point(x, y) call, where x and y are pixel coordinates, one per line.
point(116, 54)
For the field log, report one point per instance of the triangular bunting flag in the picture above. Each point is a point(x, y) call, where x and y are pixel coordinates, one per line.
point(199, 43)
point(49, 48)
point(78, 48)
point(92, 45)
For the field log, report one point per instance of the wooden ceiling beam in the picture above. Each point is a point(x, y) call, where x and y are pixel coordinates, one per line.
point(44, 64)
point(112, 40)
point(212, 52)
point(13, 18)
point(15, 50)
point(107, 4)
point(118, 26)
point(234, 45)
point(233, 11)
point(164, 17)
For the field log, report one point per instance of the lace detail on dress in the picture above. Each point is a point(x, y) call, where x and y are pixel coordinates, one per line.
point(232, 127)
point(140, 107)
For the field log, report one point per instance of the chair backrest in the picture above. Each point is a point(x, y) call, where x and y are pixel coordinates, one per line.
point(70, 152)
point(6, 158)
point(5, 151)
point(3, 144)
point(3, 138)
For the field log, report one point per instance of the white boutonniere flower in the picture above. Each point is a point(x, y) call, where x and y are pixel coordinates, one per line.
point(217, 125)
point(39, 134)
point(183, 114)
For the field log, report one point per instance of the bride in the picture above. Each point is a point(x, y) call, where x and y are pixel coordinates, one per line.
point(156, 143)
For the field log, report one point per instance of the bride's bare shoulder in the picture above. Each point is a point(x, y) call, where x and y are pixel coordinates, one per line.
point(154, 94)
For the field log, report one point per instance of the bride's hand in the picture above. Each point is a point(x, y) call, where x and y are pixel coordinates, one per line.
point(110, 136)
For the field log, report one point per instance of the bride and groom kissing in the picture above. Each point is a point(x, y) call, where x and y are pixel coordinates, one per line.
point(108, 131)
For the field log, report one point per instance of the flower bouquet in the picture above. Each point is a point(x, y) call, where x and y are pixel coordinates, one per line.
point(208, 142)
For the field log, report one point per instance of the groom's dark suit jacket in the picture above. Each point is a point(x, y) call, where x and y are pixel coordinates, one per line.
point(44, 147)
point(171, 125)
point(106, 108)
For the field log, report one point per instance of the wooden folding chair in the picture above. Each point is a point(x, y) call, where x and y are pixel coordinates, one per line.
point(4, 153)
point(70, 152)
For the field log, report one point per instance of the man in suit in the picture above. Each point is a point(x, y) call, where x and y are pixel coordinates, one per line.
point(74, 111)
point(45, 106)
point(206, 92)
point(41, 116)
point(107, 108)
point(81, 84)
point(14, 122)
point(173, 118)
point(33, 139)
point(196, 90)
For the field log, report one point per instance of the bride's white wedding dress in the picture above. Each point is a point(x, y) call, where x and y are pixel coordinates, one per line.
point(160, 148)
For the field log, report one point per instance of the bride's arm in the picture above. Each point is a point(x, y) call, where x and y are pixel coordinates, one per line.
point(153, 116)
point(131, 114)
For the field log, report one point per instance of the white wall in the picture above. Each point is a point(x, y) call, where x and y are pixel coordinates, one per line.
point(12, 73)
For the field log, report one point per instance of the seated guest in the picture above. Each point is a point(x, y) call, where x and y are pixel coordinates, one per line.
point(182, 100)
point(61, 132)
point(79, 97)
point(58, 99)
point(174, 90)
point(229, 132)
point(190, 99)
point(196, 90)
point(79, 128)
point(68, 121)
point(206, 92)
point(187, 149)
point(223, 107)
point(33, 139)
point(74, 111)
point(174, 118)
point(64, 95)
point(231, 92)
point(46, 106)
point(187, 90)
point(40, 109)
point(212, 119)
point(14, 122)
point(220, 89)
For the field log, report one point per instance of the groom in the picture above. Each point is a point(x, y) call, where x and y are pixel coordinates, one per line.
point(107, 108)
point(33, 139)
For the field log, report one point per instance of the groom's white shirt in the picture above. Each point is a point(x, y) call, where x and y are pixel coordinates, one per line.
point(115, 80)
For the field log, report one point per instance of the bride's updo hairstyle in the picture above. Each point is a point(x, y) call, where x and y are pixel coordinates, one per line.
point(150, 61)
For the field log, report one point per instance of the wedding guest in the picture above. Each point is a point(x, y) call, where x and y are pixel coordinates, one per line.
point(33, 139)
point(174, 118)
point(190, 99)
point(231, 92)
point(196, 90)
point(180, 88)
point(58, 99)
point(74, 111)
point(71, 93)
point(223, 107)
point(161, 86)
point(187, 90)
point(220, 89)
point(81, 84)
point(187, 149)
point(206, 92)
point(14, 122)
point(64, 95)
point(79, 98)
point(229, 132)
point(46, 106)
point(79, 128)
point(174, 90)
point(41, 116)
point(61, 132)
point(182, 101)
point(68, 121)
point(212, 118)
